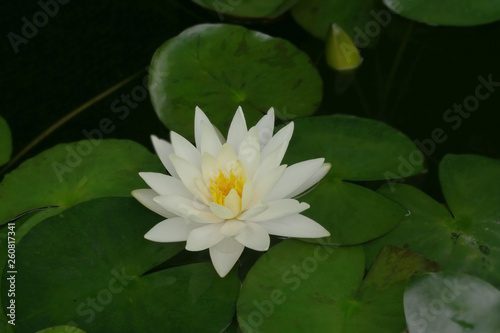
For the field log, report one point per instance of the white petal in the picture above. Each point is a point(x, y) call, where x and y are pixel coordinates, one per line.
point(188, 174)
point(184, 149)
point(164, 184)
point(233, 202)
point(164, 149)
point(204, 193)
point(295, 226)
point(210, 167)
point(247, 215)
point(169, 230)
point(222, 212)
point(237, 130)
point(204, 237)
point(247, 193)
point(280, 208)
point(265, 128)
point(189, 209)
point(225, 254)
point(254, 237)
point(265, 185)
point(311, 181)
point(227, 158)
point(145, 197)
point(282, 137)
point(249, 152)
point(210, 141)
point(232, 228)
point(294, 176)
point(272, 161)
point(199, 117)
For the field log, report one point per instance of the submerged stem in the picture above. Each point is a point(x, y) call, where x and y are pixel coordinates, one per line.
point(65, 119)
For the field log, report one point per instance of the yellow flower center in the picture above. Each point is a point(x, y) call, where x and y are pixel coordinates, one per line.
point(221, 185)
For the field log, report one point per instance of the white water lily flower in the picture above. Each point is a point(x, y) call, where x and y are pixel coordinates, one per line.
point(223, 196)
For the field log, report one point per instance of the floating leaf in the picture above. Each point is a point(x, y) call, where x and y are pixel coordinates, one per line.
point(71, 173)
point(5, 142)
point(62, 329)
point(358, 149)
point(247, 8)
point(449, 302)
point(92, 276)
point(341, 53)
point(220, 67)
point(300, 287)
point(448, 12)
point(357, 18)
point(467, 239)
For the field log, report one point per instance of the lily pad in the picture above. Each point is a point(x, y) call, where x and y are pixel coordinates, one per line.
point(467, 239)
point(71, 173)
point(61, 329)
point(316, 16)
point(300, 287)
point(358, 150)
point(448, 12)
point(248, 8)
point(219, 67)
point(353, 214)
point(449, 302)
point(5, 142)
point(94, 276)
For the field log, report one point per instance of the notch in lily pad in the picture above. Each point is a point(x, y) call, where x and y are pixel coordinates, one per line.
point(341, 53)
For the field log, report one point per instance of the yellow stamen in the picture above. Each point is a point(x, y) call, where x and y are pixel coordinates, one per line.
point(221, 185)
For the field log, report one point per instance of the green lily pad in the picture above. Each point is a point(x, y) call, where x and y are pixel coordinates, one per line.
point(450, 302)
point(353, 214)
point(448, 12)
point(87, 268)
point(62, 329)
point(300, 287)
point(316, 16)
point(71, 173)
point(358, 149)
point(247, 8)
point(466, 240)
point(5, 142)
point(219, 67)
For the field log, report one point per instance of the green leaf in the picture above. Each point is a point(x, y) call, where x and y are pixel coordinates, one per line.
point(467, 239)
point(5, 142)
point(448, 12)
point(219, 67)
point(316, 16)
point(358, 149)
point(61, 329)
point(471, 187)
point(247, 8)
point(450, 302)
point(300, 287)
point(71, 173)
point(351, 213)
point(86, 268)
